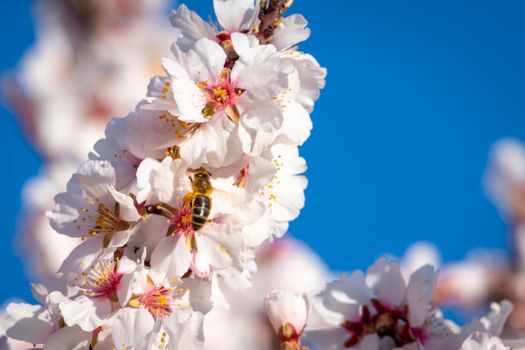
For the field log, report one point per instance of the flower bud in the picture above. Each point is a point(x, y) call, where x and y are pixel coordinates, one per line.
point(288, 313)
point(200, 265)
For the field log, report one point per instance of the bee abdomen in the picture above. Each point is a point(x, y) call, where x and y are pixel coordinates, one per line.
point(200, 210)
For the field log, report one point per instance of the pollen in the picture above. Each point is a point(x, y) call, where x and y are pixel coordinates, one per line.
point(222, 95)
point(180, 128)
point(101, 280)
point(100, 220)
point(158, 301)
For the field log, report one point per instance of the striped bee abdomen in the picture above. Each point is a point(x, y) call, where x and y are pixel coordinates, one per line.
point(200, 210)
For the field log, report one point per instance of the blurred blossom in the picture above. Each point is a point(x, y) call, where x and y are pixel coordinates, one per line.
point(418, 255)
point(473, 281)
point(107, 57)
point(505, 179)
point(43, 248)
point(286, 264)
point(383, 310)
point(109, 49)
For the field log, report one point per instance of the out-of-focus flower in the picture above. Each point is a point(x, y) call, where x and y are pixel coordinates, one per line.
point(473, 281)
point(43, 248)
point(505, 178)
point(286, 264)
point(382, 308)
point(417, 255)
point(101, 73)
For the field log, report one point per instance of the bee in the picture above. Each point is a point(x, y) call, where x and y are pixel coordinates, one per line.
point(200, 198)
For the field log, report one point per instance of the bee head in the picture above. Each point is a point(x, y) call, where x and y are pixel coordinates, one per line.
point(201, 181)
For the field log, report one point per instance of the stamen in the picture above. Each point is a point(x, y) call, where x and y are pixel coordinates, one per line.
point(101, 280)
point(222, 96)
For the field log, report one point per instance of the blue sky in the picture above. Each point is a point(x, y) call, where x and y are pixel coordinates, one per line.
point(417, 92)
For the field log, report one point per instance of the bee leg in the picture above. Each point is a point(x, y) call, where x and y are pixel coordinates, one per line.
point(187, 198)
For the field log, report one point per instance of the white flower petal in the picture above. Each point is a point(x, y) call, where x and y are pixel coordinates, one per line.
point(290, 32)
point(190, 26)
point(236, 15)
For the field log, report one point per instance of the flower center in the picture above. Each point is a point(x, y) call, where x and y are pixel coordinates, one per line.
point(288, 333)
point(180, 223)
point(385, 322)
point(158, 301)
point(182, 220)
point(222, 96)
point(101, 281)
point(107, 222)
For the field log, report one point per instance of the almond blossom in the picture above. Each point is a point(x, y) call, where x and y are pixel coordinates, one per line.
point(382, 308)
point(93, 208)
point(222, 101)
point(97, 290)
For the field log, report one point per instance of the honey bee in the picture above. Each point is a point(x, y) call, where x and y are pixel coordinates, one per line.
point(200, 198)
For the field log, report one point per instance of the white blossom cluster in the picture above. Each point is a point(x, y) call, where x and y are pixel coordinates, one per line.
point(383, 310)
point(177, 196)
point(163, 230)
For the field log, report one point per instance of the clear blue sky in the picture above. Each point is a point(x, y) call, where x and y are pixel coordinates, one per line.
point(417, 92)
